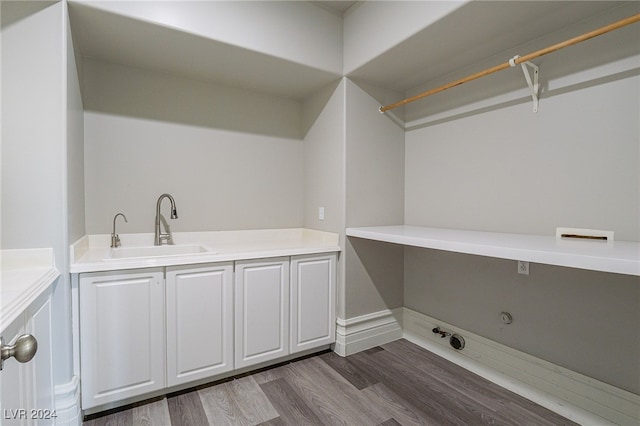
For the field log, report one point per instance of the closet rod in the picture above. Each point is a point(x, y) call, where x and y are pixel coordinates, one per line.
point(517, 60)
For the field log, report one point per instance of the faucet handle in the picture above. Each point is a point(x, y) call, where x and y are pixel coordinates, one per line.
point(165, 239)
point(115, 240)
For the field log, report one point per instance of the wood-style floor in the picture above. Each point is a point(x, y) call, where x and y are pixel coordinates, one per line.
point(397, 383)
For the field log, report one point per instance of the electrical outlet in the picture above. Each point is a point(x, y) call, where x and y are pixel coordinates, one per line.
point(523, 267)
point(321, 213)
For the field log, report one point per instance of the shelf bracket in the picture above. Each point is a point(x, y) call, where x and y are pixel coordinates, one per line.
point(533, 85)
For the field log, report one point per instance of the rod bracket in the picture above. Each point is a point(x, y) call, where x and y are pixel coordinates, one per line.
point(532, 82)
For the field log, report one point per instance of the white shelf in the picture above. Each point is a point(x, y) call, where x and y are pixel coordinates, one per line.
point(621, 257)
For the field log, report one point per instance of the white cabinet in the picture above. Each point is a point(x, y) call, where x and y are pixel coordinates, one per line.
point(150, 329)
point(313, 296)
point(122, 335)
point(26, 390)
point(261, 310)
point(199, 321)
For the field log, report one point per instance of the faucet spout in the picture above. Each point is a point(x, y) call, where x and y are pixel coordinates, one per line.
point(115, 238)
point(165, 238)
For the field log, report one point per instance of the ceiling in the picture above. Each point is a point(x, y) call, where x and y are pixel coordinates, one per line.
point(335, 5)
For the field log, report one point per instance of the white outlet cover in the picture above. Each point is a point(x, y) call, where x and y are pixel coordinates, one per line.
point(523, 267)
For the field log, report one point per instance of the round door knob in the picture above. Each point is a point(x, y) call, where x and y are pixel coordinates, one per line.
point(23, 350)
point(26, 347)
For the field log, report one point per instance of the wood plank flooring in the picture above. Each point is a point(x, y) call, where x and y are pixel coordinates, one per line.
point(395, 384)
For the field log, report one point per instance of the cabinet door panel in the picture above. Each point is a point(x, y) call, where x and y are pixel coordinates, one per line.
point(39, 325)
point(122, 336)
point(312, 301)
point(29, 386)
point(14, 381)
point(199, 322)
point(262, 311)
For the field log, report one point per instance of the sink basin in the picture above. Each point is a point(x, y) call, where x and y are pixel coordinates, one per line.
point(157, 251)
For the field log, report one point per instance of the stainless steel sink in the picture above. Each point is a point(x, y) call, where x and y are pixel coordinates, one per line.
point(121, 253)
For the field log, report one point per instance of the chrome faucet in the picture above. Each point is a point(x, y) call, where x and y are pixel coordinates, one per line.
point(166, 238)
point(115, 238)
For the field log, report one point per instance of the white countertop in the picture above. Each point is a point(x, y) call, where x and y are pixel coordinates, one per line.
point(24, 275)
point(92, 252)
point(622, 257)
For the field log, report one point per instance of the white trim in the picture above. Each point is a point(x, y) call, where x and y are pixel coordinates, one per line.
point(367, 331)
point(570, 394)
point(67, 398)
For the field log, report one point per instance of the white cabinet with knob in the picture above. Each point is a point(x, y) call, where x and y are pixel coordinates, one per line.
point(122, 335)
point(26, 389)
point(199, 302)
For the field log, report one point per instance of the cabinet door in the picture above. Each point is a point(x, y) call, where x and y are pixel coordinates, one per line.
point(122, 350)
point(313, 296)
point(14, 381)
point(262, 311)
point(27, 389)
point(42, 394)
point(199, 322)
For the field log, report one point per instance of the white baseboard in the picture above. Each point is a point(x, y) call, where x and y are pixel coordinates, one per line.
point(577, 397)
point(367, 331)
point(67, 400)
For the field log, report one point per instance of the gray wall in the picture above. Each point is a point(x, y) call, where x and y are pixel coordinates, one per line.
point(75, 144)
point(32, 126)
point(374, 196)
point(324, 169)
point(582, 320)
point(574, 163)
point(231, 158)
